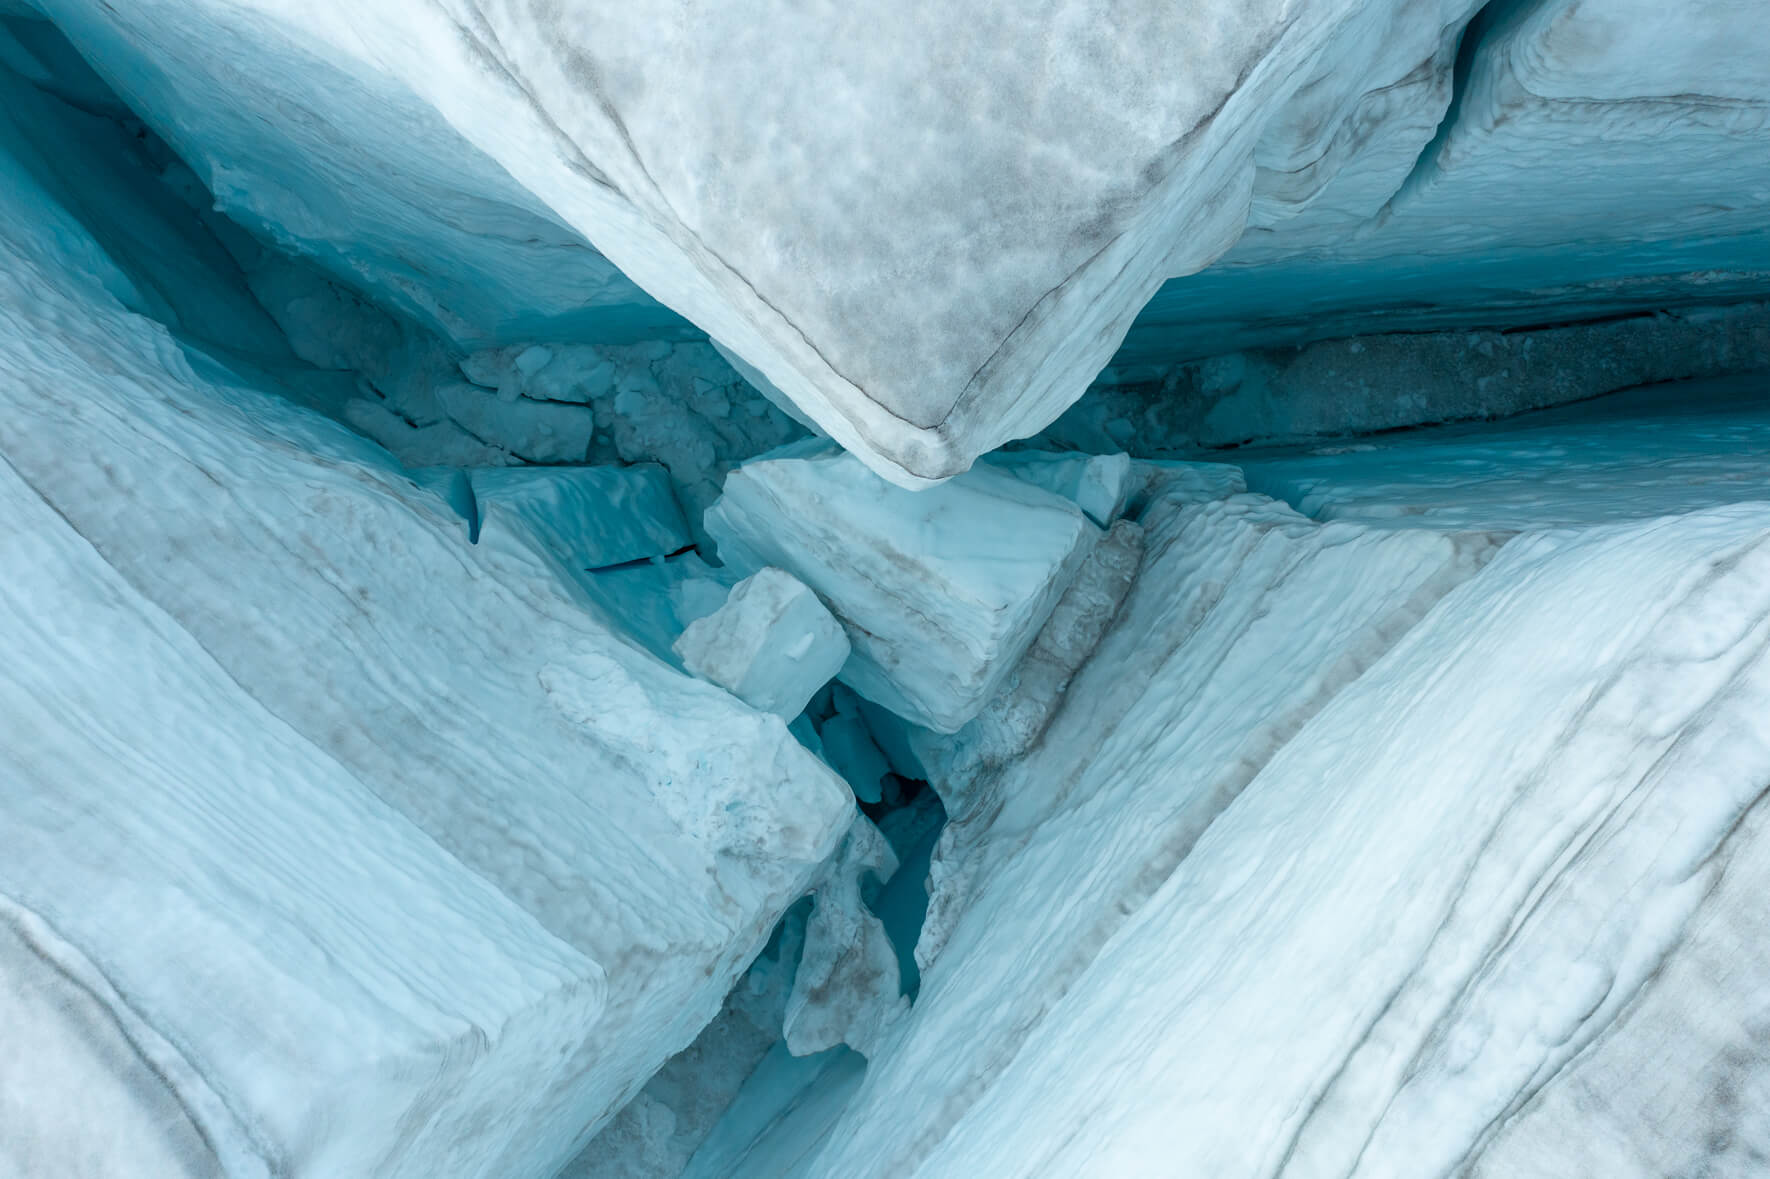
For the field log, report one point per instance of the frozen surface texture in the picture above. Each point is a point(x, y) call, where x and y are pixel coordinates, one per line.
point(999, 189)
point(587, 517)
point(1411, 842)
point(336, 844)
point(941, 590)
point(1364, 384)
point(771, 644)
point(1598, 158)
point(311, 125)
point(846, 990)
point(1670, 448)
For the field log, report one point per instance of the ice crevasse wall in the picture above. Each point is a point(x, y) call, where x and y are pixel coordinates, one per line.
point(641, 589)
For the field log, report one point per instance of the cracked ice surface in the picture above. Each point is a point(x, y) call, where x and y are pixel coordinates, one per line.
point(268, 816)
point(1000, 189)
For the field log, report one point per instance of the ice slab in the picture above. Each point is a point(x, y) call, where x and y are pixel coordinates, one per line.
point(999, 189)
point(274, 650)
point(220, 951)
point(771, 644)
point(1369, 886)
point(1598, 159)
point(941, 591)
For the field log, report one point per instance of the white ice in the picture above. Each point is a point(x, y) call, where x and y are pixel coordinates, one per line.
point(772, 644)
point(346, 845)
point(941, 591)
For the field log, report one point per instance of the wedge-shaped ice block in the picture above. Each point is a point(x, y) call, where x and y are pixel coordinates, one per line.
point(589, 517)
point(220, 952)
point(772, 644)
point(941, 591)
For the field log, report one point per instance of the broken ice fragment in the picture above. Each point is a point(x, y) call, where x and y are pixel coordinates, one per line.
point(772, 644)
point(941, 590)
point(847, 989)
point(587, 517)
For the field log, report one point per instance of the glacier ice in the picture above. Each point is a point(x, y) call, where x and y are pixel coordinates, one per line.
point(263, 812)
point(771, 643)
point(564, 616)
point(941, 590)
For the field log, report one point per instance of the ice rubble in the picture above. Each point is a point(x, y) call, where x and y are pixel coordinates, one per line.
point(1360, 846)
point(941, 590)
point(278, 882)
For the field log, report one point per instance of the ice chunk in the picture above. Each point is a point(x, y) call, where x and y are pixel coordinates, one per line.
point(377, 803)
point(772, 644)
point(846, 990)
point(960, 765)
point(538, 431)
point(941, 591)
point(159, 820)
point(654, 601)
point(588, 517)
point(1096, 483)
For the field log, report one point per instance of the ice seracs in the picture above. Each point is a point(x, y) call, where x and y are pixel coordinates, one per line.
point(940, 591)
point(771, 644)
point(359, 848)
point(1000, 191)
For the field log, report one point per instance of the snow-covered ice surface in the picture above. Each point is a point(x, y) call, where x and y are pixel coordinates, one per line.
point(382, 851)
point(1455, 877)
point(941, 590)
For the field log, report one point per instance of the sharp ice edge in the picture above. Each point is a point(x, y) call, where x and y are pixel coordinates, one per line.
point(459, 724)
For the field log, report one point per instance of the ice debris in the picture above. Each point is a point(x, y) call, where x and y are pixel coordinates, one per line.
point(771, 644)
